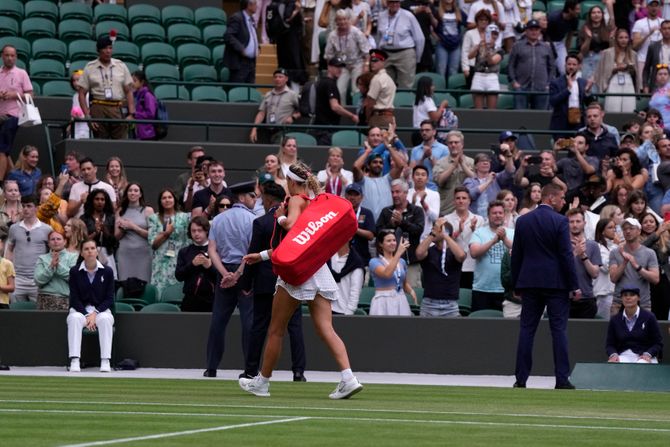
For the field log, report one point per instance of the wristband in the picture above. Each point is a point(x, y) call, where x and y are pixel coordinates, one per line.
point(264, 255)
point(431, 234)
point(281, 219)
point(639, 267)
point(585, 258)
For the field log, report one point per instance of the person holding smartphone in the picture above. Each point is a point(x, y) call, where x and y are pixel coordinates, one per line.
point(389, 272)
point(567, 96)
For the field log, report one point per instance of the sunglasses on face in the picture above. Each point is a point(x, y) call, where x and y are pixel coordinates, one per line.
point(224, 205)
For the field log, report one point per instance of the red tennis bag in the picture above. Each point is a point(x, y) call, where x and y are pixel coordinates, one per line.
point(326, 224)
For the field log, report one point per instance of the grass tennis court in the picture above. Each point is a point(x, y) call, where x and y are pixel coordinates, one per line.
point(39, 411)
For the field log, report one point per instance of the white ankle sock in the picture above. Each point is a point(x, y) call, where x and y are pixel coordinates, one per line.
point(263, 379)
point(347, 374)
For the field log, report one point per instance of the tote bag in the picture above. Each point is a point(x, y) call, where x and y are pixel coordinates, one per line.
point(324, 227)
point(29, 114)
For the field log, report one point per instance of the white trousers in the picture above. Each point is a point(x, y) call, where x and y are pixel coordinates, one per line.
point(347, 79)
point(76, 321)
point(629, 356)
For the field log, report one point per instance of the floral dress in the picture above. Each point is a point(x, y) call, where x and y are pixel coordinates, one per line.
point(164, 259)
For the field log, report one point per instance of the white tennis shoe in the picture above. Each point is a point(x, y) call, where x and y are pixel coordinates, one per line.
point(255, 386)
point(74, 365)
point(347, 389)
point(104, 366)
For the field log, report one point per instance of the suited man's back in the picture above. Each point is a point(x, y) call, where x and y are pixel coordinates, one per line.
point(542, 252)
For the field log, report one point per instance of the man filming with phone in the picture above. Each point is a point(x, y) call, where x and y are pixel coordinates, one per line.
point(567, 96)
point(544, 171)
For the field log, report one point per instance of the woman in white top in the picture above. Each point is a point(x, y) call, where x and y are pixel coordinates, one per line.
point(424, 106)
point(288, 153)
point(335, 178)
point(603, 288)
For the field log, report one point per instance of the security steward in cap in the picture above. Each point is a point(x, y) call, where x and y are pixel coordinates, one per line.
point(229, 238)
point(379, 101)
point(109, 86)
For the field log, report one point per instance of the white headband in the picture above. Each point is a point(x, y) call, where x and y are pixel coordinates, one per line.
point(295, 177)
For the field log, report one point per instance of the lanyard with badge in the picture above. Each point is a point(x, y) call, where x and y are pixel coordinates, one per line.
point(274, 105)
point(390, 30)
point(171, 251)
point(107, 82)
point(342, 54)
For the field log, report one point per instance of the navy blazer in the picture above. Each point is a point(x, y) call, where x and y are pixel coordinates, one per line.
point(645, 336)
point(236, 39)
point(558, 98)
point(260, 276)
point(99, 293)
point(542, 255)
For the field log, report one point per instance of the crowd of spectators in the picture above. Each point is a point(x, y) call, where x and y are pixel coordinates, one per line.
point(431, 218)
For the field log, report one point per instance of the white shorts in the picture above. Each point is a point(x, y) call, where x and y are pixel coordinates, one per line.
point(486, 82)
point(321, 283)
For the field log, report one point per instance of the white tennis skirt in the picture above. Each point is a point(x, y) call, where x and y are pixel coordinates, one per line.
point(321, 283)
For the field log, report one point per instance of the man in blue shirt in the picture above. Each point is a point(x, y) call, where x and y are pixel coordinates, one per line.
point(229, 239)
point(429, 151)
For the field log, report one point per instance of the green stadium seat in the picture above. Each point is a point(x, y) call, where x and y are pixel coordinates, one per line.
point(464, 301)
point(539, 6)
point(438, 80)
point(348, 138)
point(58, 88)
point(126, 51)
point(173, 14)
point(132, 68)
point(403, 99)
point(193, 53)
point(208, 93)
point(302, 138)
point(143, 13)
point(78, 65)
point(438, 97)
point(359, 311)
point(82, 50)
point(224, 74)
point(37, 28)
point(199, 73)
point(173, 294)
point(504, 63)
point(212, 35)
point(642, 103)
point(123, 307)
point(486, 313)
point(50, 49)
point(160, 307)
point(172, 92)
point(244, 94)
point(161, 72)
point(8, 27)
point(554, 5)
point(466, 101)
point(12, 9)
point(73, 29)
point(146, 32)
point(47, 68)
point(37, 91)
point(355, 99)
point(182, 33)
point(587, 5)
point(41, 8)
point(503, 79)
point(76, 11)
point(149, 296)
point(209, 15)
point(106, 12)
point(103, 29)
point(365, 298)
point(456, 81)
point(217, 55)
point(158, 52)
point(23, 305)
point(505, 102)
point(23, 47)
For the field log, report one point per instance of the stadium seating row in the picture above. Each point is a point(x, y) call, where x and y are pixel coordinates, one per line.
point(132, 15)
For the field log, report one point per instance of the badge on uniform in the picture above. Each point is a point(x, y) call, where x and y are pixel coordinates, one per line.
point(108, 93)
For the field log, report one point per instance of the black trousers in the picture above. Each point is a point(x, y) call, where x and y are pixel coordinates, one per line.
point(259, 329)
point(583, 308)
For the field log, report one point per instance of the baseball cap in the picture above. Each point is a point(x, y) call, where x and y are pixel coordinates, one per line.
point(649, 2)
point(373, 156)
point(265, 177)
point(631, 221)
point(378, 54)
point(280, 71)
point(506, 135)
point(492, 28)
point(628, 135)
point(337, 62)
point(353, 187)
point(533, 24)
point(103, 42)
point(631, 288)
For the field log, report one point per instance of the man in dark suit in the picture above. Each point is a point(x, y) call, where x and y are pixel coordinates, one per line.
point(655, 57)
point(261, 278)
point(242, 44)
point(543, 272)
point(633, 335)
point(568, 107)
